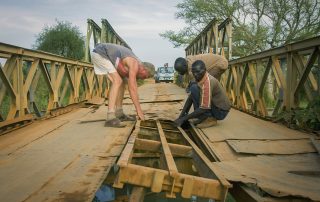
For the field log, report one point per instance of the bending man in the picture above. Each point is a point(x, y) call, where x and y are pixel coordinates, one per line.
point(207, 97)
point(119, 64)
point(216, 65)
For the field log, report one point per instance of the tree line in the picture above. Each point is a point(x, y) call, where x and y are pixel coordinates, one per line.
point(257, 24)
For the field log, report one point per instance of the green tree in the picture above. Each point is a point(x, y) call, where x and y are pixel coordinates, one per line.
point(62, 39)
point(257, 24)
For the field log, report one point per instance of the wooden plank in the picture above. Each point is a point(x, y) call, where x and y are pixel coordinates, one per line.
point(155, 146)
point(199, 139)
point(272, 146)
point(241, 126)
point(225, 153)
point(271, 174)
point(146, 177)
point(168, 160)
point(59, 159)
point(206, 162)
point(166, 151)
point(165, 130)
point(127, 152)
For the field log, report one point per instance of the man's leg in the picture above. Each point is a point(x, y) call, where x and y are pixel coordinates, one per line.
point(120, 96)
point(218, 113)
point(195, 96)
point(119, 105)
point(114, 91)
point(116, 81)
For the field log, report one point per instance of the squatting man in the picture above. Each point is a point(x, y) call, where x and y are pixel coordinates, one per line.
point(207, 96)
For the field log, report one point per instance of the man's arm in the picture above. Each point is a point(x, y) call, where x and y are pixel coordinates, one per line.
point(195, 114)
point(132, 65)
point(186, 107)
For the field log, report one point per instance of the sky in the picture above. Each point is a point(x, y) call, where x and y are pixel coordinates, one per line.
point(138, 22)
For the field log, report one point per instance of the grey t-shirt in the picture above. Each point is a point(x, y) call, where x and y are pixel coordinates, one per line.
point(113, 52)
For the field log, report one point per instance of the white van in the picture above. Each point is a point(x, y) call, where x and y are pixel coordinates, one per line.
point(165, 74)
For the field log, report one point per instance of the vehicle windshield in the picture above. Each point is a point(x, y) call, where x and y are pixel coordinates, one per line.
point(164, 70)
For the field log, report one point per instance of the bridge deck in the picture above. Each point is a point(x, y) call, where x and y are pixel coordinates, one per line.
point(66, 160)
point(58, 158)
point(62, 159)
point(278, 160)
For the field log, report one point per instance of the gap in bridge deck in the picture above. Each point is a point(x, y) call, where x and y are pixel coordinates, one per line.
point(147, 152)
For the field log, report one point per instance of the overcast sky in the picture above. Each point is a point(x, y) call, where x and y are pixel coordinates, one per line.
point(138, 22)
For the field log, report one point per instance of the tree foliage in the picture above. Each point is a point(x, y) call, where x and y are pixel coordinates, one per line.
point(257, 24)
point(62, 39)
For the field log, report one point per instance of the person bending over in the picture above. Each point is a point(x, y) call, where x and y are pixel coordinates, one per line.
point(120, 65)
point(216, 65)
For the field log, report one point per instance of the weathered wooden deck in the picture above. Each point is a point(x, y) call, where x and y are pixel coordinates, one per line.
point(62, 159)
point(280, 161)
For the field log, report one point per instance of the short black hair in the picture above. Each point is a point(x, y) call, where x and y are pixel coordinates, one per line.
point(198, 64)
point(181, 65)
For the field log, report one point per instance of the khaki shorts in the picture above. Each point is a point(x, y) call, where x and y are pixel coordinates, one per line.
point(101, 64)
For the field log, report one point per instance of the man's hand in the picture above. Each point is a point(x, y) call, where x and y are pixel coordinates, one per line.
point(141, 116)
point(178, 122)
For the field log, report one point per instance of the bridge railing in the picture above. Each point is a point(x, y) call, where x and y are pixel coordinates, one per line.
point(284, 78)
point(105, 34)
point(215, 38)
point(37, 83)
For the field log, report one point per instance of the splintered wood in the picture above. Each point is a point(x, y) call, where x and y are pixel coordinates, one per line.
point(162, 157)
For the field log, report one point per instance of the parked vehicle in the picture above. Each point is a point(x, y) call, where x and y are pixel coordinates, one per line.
point(164, 74)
